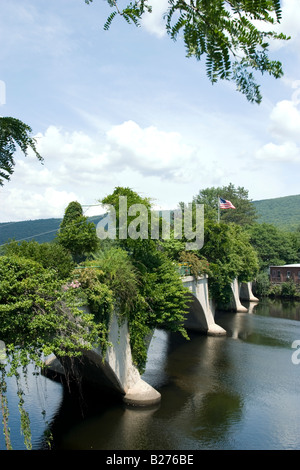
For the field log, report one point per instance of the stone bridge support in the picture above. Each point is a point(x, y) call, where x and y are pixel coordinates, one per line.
point(200, 315)
point(113, 372)
point(241, 291)
point(245, 292)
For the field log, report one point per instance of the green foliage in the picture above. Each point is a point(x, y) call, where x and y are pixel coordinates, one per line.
point(37, 315)
point(72, 212)
point(230, 35)
point(98, 297)
point(121, 200)
point(4, 408)
point(146, 289)
point(196, 265)
point(76, 234)
point(131, 14)
point(230, 255)
point(49, 255)
point(164, 293)
point(288, 289)
point(120, 275)
point(262, 284)
point(273, 246)
point(40, 230)
point(283, 212)
point(245, 255)
point(160, 300)
point(13, 133)
point(173, 247)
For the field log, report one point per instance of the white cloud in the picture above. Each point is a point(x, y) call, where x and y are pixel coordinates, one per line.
point(28, 204)
point(80, 167)
point(290, 19)
point(151, 151)
point(153, 22)
point(287, 152)
point(74, 158)
point(70, 156)
point(285, 120)
point(285, 129)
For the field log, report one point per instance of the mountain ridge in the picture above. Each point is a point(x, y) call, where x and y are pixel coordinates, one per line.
point(283, 212)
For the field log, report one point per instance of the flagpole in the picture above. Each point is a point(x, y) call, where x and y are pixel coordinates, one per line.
point(218, 209)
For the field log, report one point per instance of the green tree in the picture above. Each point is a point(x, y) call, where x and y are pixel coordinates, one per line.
point(76, 234)
point(162, 301)
point(230, 255)
point(13, 133)
point(233, 35)
point(49, 255)
point(72, 212)
point(244, 212)
point(273, 246)
point(38, 317)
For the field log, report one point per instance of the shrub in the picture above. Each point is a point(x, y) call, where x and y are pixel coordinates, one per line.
point(49, 255)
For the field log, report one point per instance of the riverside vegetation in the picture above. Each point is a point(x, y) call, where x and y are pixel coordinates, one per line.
point(43, 285)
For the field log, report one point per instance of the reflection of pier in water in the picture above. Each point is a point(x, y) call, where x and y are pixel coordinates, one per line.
point(116, 370)
point(193, 397)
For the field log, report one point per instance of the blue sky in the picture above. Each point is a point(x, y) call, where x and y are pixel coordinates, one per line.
point(127, 108)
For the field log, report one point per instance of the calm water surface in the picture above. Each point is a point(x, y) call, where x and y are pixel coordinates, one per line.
point(240, 391)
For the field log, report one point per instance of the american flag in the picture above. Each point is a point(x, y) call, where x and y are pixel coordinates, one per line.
point(224, 204)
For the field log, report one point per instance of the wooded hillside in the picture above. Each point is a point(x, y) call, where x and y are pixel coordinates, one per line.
point(40, 230)
point(283, 212)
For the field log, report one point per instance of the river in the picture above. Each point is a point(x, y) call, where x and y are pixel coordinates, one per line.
point(236, 392)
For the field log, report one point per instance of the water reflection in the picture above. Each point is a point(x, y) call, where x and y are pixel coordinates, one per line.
point(278, 308)
point(239, 391)
point(196, 407)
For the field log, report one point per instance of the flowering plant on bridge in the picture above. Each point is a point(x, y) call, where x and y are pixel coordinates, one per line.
point(192, 264)
point(73, 284)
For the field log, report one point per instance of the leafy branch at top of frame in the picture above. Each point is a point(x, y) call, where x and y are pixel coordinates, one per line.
point(228, 38)
point(224, 31)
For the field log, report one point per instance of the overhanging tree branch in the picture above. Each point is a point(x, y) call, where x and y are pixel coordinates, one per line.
point(226, 32)
point(13, 133)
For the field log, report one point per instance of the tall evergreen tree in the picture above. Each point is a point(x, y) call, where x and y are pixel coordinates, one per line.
point(76, 234)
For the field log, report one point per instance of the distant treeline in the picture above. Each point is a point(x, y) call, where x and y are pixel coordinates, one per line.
point(283, 212)
point(40, 230)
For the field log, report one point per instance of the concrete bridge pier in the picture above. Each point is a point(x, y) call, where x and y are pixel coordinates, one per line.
point(235, 303)
point(245, 292)
point(241, 291)
point(114, 372)
point(200, 315)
